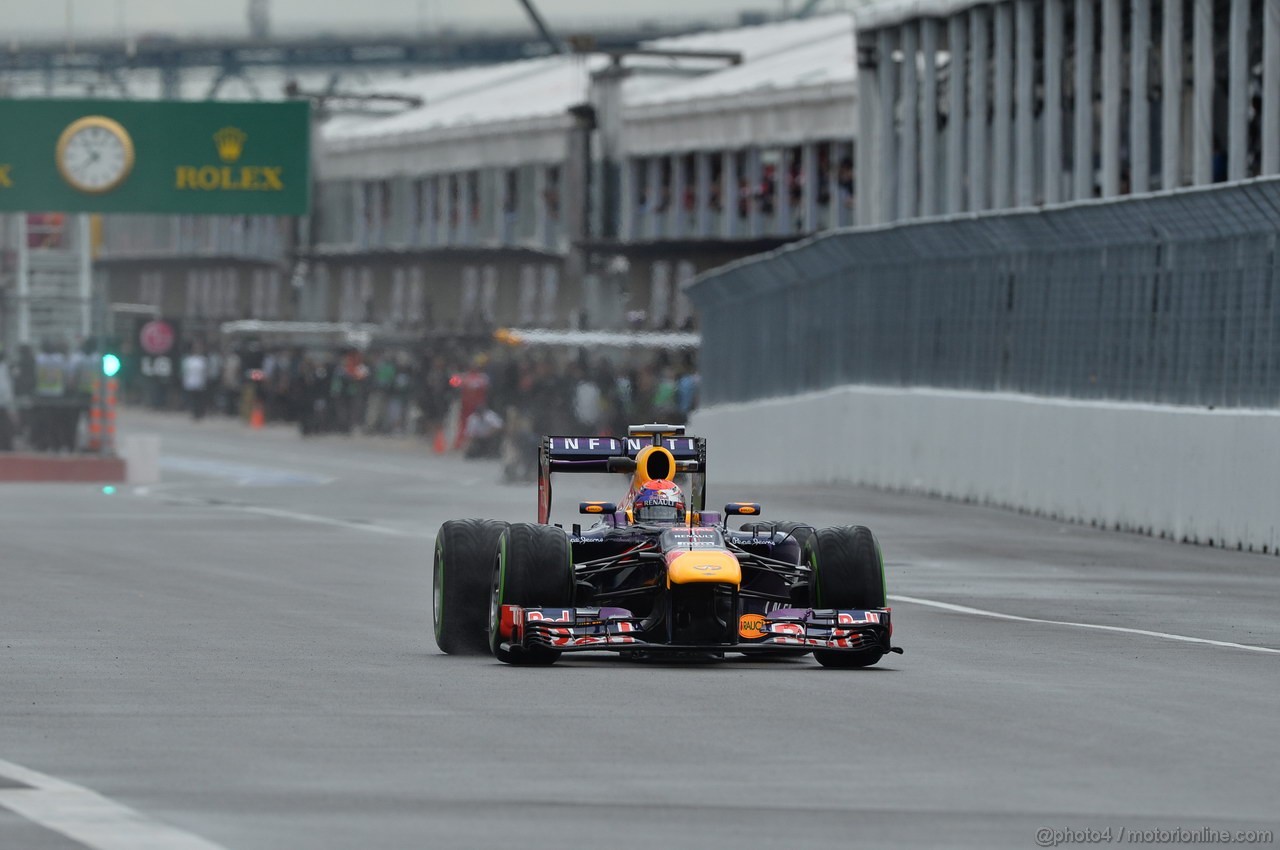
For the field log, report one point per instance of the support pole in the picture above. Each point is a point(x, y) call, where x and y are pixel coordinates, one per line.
point(677, 223)
point(498, 214)
point(1024, 154)
point(1271, 87)
point(84, 273)
point(1238, 93)
point(783, 223)
point(1202, 95)
point(627, 199)
point(1139, 105)
point(1052, 101)
point(1082, 156)
point(466, 208)
point(908, 162)
point(957, 129)
point(702, 194)
point(429, 199)
point(839, 215)
point(444, 191)
point(1171, 96)
point(1002, 124)
point(24, 279)
point(653, 198)
point(1112, 89)
point(865, 199)
point(754, 195)
point(729, 194)
point(809, 188)
point(929, 118)
point(542, 229)
point(978, 83)
point(886, 43)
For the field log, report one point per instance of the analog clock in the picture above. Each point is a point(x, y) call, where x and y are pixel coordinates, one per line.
point(95, 154)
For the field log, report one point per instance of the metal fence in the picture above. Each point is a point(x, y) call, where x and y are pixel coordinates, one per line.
point(1168, 298)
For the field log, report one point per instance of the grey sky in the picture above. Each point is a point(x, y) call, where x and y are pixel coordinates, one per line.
point(48, 18)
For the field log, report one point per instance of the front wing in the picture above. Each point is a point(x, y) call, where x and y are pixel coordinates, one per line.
point(615, 629)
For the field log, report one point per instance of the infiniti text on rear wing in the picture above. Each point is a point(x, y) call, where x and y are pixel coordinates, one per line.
point(611, 454)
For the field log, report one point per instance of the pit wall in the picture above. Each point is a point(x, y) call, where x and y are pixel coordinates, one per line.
point(1197, 475)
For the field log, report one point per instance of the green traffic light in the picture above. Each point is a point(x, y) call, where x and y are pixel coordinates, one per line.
point(110, 365)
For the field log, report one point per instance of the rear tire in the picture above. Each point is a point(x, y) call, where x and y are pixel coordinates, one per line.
point(533, 569)
point(848, 572)
point(465, 549)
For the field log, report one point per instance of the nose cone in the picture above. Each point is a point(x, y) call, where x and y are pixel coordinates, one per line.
point(703, 567)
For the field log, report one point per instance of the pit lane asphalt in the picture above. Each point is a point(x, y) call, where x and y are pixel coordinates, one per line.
point(246, 655)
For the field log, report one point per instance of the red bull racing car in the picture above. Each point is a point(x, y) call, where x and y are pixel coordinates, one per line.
point(657, 573)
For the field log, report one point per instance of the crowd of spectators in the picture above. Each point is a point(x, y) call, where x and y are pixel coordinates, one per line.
point(761, 195)
point(484, 401)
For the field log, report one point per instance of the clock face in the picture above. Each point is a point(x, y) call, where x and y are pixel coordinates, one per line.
point(95, 154)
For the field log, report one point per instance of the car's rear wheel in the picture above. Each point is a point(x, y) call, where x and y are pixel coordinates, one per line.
point(533, 569)
point(464, 554)
point(848, 572)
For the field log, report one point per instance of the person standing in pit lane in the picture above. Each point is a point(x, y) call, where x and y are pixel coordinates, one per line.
point(195, 380)
point(50, 389)
point(8, 405)
point(229, 383)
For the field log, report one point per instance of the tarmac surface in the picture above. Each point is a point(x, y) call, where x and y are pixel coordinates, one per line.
point(241, 657)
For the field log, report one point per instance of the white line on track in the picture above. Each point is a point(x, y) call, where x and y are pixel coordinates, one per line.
point(315, 519)
point(87, 816)
point(296, 516)
point(996, 615)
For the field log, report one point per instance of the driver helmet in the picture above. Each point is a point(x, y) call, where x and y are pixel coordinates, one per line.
point(659, 501)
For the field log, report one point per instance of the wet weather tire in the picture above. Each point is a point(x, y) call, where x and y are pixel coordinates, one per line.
point(534, 569)
point(848, 572)
point(465, 552)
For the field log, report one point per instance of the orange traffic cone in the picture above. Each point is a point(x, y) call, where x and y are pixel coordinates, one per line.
point(438, 444)
point(257, 418)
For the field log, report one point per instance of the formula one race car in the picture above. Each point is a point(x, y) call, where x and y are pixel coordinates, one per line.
point(656, 574)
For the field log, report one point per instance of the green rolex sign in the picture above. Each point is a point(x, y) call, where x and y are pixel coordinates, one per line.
point(119, 156)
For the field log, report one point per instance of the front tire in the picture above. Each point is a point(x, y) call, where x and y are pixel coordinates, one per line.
point(464, 555)
point(848, 572)
point(534, 569)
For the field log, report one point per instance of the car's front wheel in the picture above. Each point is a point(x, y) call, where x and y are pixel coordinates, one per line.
point(533, 569)
point(848, 572)
point(460, 581)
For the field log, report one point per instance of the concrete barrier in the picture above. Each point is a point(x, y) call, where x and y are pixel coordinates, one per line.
point(1199, 475)
point(142, 451)
point(82, 469)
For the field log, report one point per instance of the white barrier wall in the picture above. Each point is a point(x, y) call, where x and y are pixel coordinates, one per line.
point(1188, 473)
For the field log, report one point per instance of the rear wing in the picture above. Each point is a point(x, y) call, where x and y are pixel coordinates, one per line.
point(614, 454)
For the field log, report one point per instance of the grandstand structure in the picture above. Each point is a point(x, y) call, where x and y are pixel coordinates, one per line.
point(969, 106)
point(586, 188)
point(568, 190)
